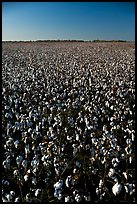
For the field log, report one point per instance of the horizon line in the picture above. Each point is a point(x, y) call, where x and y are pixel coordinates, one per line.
point(68, 40)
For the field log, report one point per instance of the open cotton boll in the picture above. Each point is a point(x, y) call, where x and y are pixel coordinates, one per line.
point(67, 198)
point(78, 198)
point(116, 189)
point(125, 175)
point(16, 172)
point(111, 172)
point(17, 199)
point(100, 183)
point(37, 192)
point(9, 197)
point(26, 177)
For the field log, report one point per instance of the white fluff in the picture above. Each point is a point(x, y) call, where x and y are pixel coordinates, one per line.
point(116, 189)
point(111, 172)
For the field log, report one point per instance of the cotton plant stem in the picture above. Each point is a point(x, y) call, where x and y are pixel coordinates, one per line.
point(20, 190)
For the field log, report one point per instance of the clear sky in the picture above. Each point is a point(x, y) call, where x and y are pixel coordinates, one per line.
point(68, 20)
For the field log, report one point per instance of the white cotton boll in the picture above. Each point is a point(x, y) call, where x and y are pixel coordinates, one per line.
point(100, 183)
point(112, 124)
point(58, 185)
point(69, 138)
point(67, 198)
point(107, 104)
point(4, 199)
point(77, 137)
point(56, 194)
point(126, 188)
point(60, 196)
point(9, 142)
point(37, 192)
point(16, 172)
point(17, 199)
point(74, 171)
point(77, 198)
point(111, 172)
point(123, 156)
point(128, 150)
point(125, 175)
point(112, 107)
point(26, 177)
point(133, 137)
point(9, 197)
point(97, 191)
point(115, 162)
point(67, 182)
point(27, 196)
point(12, 193)
point(111, 119)
point(130, 159)
point(29, 130)
point(116, 189)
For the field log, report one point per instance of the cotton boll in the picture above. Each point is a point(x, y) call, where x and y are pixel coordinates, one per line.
point(9, 197)
point(26, 177)
point(100, 183)
point(16, 172)
point(97, 191)
point(78, 198)
point(116, 189)
point(77, 137)
point(112, 107)
point(67, 198)
point(133, 137)
point(125, 175)
point(17, 199)
point(115, 162)
point(37, 192)
point(111, 172)
point(130, 159)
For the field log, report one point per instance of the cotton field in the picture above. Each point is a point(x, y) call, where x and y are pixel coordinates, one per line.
point(68, 122)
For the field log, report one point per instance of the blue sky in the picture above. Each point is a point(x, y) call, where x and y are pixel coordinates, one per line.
point(68, 20)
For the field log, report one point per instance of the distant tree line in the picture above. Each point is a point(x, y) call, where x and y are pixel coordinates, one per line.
point(65, 41)
point(59, 40)
point(109, 41)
